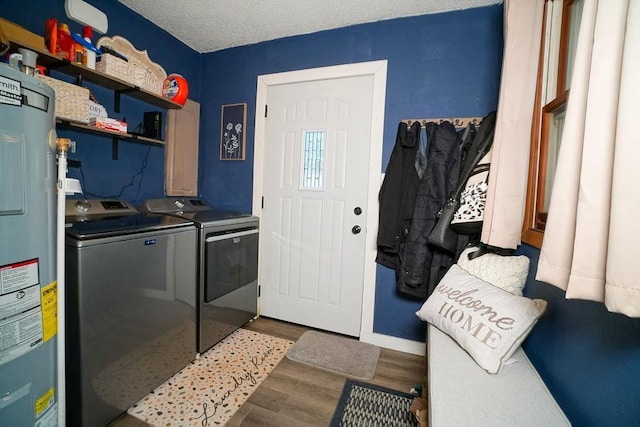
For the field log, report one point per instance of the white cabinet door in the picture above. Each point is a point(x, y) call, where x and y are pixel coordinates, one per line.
point(181, 154)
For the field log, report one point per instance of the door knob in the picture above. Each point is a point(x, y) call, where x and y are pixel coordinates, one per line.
point(356, 229)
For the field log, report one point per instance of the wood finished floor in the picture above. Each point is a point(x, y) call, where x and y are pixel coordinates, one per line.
point(298, 395)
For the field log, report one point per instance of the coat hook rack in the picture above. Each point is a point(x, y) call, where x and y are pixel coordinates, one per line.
point(459, 122)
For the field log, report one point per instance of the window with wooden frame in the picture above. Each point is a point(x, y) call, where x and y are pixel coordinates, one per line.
point(557, 53)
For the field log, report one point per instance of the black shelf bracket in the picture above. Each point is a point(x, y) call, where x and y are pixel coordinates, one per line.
point(116, 100)
point(64, 62)
point(114, 147)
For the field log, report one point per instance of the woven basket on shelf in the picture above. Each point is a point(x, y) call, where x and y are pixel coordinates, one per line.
point(139, 70)
point(72, 101)
point(131, 72)
point(116, 67)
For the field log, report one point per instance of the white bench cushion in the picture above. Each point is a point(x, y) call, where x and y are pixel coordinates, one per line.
point(461, 393)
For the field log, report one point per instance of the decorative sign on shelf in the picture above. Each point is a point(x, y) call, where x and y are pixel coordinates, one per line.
point(232, 132)
point(138, 70)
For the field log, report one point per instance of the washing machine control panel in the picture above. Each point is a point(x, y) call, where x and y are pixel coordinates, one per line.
point(83, 205)
point(83, 209)
point(175, 205)
point(113, 205)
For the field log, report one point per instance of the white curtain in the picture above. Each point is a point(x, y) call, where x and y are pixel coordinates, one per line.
point(590, 240)
point(506, 196)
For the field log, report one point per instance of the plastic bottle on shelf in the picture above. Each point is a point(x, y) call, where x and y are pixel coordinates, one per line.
point(51, 35)
point(90, 55)
point(66, 45)
point(78, 56)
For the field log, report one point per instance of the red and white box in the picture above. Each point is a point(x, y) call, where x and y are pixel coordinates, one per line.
point(106, 123)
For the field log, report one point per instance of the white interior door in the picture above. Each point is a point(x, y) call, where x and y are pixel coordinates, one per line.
point(314, 215)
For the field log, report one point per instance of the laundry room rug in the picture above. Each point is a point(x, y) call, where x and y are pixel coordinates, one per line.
point(363, 404)
point(211, 389)
point(334, 353)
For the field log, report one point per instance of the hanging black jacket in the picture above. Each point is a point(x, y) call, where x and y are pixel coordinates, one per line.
point(397, 195)
point(422, 266)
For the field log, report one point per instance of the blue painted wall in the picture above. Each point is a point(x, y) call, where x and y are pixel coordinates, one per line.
point(589, 358)
point(138, 174)
point(438, 66)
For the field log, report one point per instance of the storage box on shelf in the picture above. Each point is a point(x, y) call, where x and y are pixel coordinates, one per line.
point(130, 73)
point(72, 101)
point(138, 70)
point(115, 67)
point(107, 123)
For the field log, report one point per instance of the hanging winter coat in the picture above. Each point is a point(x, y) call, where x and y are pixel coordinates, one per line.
point(397, 194)
point(422, 266)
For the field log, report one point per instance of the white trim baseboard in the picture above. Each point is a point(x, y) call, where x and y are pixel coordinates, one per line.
point(394, 343)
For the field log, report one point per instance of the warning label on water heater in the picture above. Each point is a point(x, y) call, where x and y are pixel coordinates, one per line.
point(10, 91)
point(20, 310)
point(18, 276)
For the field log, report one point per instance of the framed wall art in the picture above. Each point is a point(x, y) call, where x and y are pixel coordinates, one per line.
point(232, 132)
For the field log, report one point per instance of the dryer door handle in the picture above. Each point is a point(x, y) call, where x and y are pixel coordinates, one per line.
point(231, 235)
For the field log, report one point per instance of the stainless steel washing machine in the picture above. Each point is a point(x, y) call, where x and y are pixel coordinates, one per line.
point(227, 265)
point(130, 306)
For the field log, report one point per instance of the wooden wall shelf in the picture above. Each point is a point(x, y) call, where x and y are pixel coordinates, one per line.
point(82, 74)
point(20, 37)
point(115, 136)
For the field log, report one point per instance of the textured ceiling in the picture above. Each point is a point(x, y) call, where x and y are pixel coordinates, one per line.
point(210, 25)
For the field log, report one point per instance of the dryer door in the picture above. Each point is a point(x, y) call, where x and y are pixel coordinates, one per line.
point(231, 259)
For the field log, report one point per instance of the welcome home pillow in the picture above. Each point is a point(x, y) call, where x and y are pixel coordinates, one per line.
point(486, 321)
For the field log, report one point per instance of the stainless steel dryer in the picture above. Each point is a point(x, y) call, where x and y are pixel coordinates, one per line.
point(130, 304)
point(228, 265)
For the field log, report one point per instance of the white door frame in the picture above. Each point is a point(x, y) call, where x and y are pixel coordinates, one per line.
point(378, 69)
